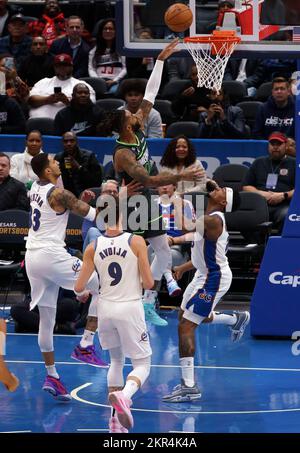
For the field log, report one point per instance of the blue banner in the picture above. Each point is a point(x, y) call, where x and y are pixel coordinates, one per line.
point(212, 153)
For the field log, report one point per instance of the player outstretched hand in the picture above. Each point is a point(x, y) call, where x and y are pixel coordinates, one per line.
point(169, 50)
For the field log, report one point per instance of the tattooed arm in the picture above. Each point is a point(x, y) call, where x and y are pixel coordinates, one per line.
point(125, 161)
point(62, 199)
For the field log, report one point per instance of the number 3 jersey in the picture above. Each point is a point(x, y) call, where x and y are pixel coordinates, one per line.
point(47, 227)
point(118, 270)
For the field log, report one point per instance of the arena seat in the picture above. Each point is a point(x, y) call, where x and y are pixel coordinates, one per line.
point(230, 175)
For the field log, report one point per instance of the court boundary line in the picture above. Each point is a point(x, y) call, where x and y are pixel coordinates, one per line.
point(295, 370)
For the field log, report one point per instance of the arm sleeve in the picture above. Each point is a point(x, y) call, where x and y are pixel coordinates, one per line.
point(154, 82)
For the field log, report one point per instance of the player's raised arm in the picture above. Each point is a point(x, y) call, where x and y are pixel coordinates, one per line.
point(155, 80)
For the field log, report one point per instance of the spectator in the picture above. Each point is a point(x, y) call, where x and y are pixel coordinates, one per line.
point(12, 119)
point(48, 96)
point(6, 11)
point(81, 116)
point(178, 156)
point(104, 61)
point(20, 163)
point(222, 120)
point(133, 92)
point(250, 72)
point(277, 113)
point(273, 177)
point(16, 43)
point(79, 167)
point(73, 45)
point(68, 312)
point(291, 147)
point(192, 100)
point(51, 25)
point(140, 66)
point(38, 64)
point(13, 194)
point(16, 88)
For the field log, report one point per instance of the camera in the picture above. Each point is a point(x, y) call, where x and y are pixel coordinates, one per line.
point(57, 90)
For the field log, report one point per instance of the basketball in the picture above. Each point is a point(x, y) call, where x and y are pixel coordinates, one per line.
point(178, 17)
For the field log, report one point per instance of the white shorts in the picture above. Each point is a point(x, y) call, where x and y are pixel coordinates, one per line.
point(122, 324)
point(50, 269)
point(209, 298)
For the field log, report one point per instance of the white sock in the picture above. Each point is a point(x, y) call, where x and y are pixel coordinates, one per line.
point(131, 387)
point(87, 339)
point(149, 297)
point(168, 276)
point(51, 371)
point(187, 370)
point(222, 318)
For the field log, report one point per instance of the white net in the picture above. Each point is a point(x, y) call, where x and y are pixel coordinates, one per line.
point(211, 59)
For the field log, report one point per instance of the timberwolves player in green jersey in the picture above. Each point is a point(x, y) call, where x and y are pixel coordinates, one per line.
point(133, 162)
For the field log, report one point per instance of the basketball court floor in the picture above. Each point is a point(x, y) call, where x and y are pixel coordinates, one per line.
point(248, 387)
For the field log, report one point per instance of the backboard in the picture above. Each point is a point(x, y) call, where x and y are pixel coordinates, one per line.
point(262, 25)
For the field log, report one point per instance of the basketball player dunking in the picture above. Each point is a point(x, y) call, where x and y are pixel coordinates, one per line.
point(133, 162)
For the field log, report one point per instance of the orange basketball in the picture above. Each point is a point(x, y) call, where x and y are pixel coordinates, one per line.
point(178, 17)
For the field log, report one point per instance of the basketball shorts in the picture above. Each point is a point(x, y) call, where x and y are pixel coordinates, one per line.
point(203, 293)
point(122, 324)
point(50, 269)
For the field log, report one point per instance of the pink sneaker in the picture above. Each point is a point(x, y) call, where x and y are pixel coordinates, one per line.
point(122, 406)
point(88, 355)
point(115, 426)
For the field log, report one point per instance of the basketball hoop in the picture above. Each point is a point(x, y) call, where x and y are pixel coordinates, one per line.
point(211, 54)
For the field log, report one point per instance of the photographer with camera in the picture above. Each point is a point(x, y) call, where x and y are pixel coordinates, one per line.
point(222, 120)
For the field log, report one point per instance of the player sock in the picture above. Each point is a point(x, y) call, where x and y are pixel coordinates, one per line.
point(87, 339)
point(51, 371)
point(149, 297)
point(130, 388)
point(222, 318)
point(187, 370)
point(168, 276)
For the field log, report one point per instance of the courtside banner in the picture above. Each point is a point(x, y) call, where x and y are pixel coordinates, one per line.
point(275, 304)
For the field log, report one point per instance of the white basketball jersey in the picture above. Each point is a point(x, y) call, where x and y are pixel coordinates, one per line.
point(117, 267)
point(48, 228)
point(209, 256)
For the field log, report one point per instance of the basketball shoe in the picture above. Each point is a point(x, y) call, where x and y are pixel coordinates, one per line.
point(182, 394)
point(122, 406)
point(56, 388)
point(238, 329)
point(88, 355)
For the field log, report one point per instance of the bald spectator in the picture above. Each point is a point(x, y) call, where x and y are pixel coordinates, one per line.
point(48, 96)
point(81, 116)
point(13, 194)
point(80, 169)
point(73, 45)
point(16, 43)
point(38, 64)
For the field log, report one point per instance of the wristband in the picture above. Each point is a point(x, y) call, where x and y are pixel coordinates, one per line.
point(91, 215)
point(80, 293)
